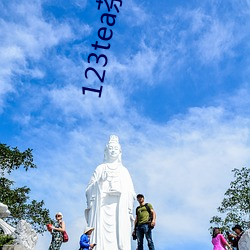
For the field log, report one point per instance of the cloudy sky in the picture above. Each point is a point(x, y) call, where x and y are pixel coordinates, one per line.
point(176, 91)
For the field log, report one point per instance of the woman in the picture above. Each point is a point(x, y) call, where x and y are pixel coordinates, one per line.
point(218, 240)
point(56, 231)
point(84, 240)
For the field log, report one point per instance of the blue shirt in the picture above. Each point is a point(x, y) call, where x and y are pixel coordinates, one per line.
point(84, 242)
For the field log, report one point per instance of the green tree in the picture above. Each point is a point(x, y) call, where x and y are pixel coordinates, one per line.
point(6, 239)
point(235, 207)
point(17, 199)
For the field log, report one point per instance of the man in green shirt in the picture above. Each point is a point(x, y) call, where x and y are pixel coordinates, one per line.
point(144, 223)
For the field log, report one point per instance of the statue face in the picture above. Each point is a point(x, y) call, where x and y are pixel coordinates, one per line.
point(114, 150)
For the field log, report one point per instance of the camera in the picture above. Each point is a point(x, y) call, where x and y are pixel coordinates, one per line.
point(134, 235)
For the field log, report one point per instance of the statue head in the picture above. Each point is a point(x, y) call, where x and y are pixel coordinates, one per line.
point(4, 211)
point(113, 150)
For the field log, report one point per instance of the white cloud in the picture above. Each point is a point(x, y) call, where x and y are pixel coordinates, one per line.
point(32, 33)
point(239, 101)
point(198, 19)
point(10, 57)
point(25, 35)
point(217, 42)
point(172, 44)
point(195, 34)
point(72, 102)
point(80, 3)
point(142, 65)
point(134, 13)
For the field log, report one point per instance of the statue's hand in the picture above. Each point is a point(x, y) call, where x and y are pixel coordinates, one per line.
point(104, 176)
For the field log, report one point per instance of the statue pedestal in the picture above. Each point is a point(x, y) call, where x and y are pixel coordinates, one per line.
point(13, 247)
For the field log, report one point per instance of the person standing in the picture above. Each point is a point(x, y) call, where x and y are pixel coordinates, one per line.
point(85, 239)
point(143, 225)
point(56, 231)
point(218, 240)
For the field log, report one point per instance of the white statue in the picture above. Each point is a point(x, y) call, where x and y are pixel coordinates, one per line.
point(244, 242)
point(4, 212)
point(110, 197)
point(25, 235)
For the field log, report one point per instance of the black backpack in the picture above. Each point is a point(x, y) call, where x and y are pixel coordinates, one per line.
point(149, 212)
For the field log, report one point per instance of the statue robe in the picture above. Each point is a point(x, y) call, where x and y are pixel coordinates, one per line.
point(244, 242)
point(110, 197)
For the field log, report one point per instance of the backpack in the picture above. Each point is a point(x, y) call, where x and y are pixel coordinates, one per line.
point(149, 212)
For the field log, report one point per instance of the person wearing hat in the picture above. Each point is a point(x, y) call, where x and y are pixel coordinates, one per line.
point(84, 240)
point(56, 231)
point(239, 231)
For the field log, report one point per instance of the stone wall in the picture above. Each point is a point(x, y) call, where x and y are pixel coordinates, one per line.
point(13, 247)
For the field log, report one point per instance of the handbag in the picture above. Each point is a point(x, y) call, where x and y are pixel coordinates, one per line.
point(65, 236)
point(49, 227)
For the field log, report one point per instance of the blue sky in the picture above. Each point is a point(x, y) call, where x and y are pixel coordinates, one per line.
point(176, 92)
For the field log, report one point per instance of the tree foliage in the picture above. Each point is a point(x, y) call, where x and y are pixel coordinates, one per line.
point(17, 199)
point(6, 239)
point(12, 159)
point(235, 206)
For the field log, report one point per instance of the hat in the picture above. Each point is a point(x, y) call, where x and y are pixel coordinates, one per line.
point(237, 227)
point(59, 213)
point(140, 195)
point(87, 229)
